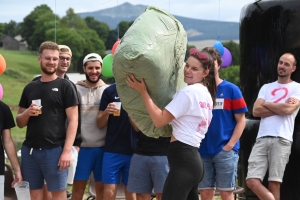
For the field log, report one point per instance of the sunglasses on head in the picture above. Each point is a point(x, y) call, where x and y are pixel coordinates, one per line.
point(201, 56)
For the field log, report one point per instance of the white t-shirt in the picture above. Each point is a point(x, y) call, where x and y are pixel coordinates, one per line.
point(278, 125)
point(192, 109)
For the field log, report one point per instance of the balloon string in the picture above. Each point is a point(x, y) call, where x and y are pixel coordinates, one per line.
point(118, 22)
point(219, 22)
point(55, 23)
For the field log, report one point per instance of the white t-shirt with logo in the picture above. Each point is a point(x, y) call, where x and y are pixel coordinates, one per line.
point(278, 125)
point(192, 109)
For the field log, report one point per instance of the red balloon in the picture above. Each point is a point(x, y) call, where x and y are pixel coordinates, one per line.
point(2, 64)
point(115, 46)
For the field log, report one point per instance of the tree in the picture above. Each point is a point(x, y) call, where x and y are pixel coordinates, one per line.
point(112, 38)
point(81, 42)
point(1, 28)
point(119, 32)
point(43, 23)
point(28, 26)
point(123, 26)
point(231, 73)
point(72, 20)
point(93, 44)
point(11, 28)
point(101, 28)
point(71, 38)
point(234, 49)
point(187, 53)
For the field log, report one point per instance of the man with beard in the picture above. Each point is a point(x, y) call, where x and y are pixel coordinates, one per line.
point(46, 151)
point(277, 105)
point(65, 58)
point(119, 140)
point(93, 139)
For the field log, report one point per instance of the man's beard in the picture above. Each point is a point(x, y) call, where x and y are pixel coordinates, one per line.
point(91, 81)
point(44, 69)
point(282, 75)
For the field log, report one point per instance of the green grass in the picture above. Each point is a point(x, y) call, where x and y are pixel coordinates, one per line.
point(20, 70)
point(21, 66)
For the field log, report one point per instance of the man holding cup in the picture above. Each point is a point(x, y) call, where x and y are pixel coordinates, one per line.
point(118, 143)
point(93, 139)
point(7, 144)
point(46, 151)
point(65, 58)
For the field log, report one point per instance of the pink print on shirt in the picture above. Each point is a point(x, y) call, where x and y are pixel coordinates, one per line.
point(205, 105)
point(282, 96)
point(203, 123)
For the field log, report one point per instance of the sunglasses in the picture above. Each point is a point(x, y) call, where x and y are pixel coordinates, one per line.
point(201, 56)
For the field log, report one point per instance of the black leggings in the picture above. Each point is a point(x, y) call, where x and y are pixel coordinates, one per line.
point(186, 172)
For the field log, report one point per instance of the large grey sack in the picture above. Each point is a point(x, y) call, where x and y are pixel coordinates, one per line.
point(153, 48)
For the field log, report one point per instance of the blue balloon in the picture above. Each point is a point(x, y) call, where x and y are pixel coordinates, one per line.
point(218, 45)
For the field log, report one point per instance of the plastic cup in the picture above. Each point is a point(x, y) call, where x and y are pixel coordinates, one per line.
point(39, 104)
point(22, 191)
point(118, 106)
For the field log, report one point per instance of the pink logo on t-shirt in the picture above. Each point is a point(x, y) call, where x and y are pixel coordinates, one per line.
point(282, 96)
point(203, 123)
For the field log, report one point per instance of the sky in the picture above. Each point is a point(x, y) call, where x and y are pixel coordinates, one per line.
point(219, 10)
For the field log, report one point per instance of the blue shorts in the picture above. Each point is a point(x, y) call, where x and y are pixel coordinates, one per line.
point(113, 166)
point(89, 160)
point(40, 165)
point(147, 173)
point(221, 167)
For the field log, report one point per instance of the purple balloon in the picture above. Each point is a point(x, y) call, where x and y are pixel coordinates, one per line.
point(226, 58)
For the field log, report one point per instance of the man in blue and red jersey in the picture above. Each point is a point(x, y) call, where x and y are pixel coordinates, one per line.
point(219, 148)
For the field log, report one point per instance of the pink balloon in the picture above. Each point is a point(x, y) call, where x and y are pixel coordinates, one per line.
point(1, 92)
point(226, 58)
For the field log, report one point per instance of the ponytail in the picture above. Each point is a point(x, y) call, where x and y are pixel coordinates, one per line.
point(207, 61)
point(209, 81)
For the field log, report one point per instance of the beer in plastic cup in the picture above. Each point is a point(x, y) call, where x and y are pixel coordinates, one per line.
point(118, 106)
point(39, 104)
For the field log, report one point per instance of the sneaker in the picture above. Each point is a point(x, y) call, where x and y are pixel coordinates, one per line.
point(68, 194)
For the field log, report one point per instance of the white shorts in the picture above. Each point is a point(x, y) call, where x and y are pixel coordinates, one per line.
point(269, 153)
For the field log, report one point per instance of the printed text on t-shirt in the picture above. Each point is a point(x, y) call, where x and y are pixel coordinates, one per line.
point(205, 105)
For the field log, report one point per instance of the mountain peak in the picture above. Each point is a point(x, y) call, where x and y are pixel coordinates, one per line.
point(125, 10)
point(196, 29)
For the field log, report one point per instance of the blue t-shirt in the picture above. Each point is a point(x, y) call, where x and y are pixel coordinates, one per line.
point(119, 130)
point(229, 102)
